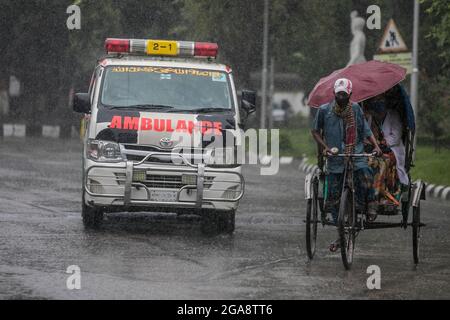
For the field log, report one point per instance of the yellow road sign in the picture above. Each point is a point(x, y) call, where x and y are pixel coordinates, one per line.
point(403, 59)
point(392, 41)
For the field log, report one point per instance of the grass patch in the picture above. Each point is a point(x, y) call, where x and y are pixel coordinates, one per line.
point(296, 143)
point(432, 166)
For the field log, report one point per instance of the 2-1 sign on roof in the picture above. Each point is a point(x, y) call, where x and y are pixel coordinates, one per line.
point(392, 40)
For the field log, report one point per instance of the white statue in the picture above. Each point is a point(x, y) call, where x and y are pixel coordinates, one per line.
point(358, 43)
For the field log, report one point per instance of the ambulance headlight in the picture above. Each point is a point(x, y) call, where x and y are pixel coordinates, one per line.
point(103, 151)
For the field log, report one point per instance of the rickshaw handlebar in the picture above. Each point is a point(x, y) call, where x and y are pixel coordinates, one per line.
point(352, 155)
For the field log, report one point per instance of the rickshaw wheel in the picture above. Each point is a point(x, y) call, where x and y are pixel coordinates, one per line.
point(405, 213)
point(312, 221)
point(405, 208)
point(416, 233)
point(346, 228)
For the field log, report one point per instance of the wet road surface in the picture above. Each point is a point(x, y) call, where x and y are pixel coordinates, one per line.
point(162, 256)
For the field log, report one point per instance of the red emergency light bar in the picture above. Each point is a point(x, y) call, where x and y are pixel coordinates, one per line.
point(117, 45)
point(162, 47)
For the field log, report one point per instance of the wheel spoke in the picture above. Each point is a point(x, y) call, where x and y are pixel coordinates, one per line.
point(346, 228)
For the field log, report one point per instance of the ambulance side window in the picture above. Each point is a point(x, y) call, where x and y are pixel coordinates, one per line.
point(93, 84)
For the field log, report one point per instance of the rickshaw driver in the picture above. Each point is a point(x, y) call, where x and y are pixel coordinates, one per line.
point(344, 127)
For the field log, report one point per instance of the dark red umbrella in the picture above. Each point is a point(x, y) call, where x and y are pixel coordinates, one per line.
point(369, 80)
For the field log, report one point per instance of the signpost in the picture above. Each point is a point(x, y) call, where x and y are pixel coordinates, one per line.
point(415, 69)
point(264, 69)
point(403, 59)
point(393, 48)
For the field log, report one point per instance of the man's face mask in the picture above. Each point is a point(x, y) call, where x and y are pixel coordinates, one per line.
point(342, 99)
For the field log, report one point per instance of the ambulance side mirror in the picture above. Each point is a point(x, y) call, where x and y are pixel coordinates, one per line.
point(248, 101)
point(82, 103)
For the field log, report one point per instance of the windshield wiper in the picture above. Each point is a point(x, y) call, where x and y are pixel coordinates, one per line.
point(142, 107)
point(209, 109)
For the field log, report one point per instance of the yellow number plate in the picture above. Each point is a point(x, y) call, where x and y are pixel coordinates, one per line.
point(162, 48)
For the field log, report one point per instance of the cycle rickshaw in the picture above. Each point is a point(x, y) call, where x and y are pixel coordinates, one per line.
point(351, 220)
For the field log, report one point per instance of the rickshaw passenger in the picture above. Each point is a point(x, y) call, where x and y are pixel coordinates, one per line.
point(390, 170)
point(392, 129)
point(344, 127)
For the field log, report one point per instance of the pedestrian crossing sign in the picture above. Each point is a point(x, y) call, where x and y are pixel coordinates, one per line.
point(392, 41)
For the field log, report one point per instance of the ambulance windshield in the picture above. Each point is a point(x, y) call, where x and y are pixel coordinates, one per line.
point(175, 88)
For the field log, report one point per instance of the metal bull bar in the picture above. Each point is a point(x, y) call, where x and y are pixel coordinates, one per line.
point(195, 169)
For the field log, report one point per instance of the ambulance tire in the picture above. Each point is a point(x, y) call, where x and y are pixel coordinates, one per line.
point(92, 217)
point(227, 221)
point(216, 222)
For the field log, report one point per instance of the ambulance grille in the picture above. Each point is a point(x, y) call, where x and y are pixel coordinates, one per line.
point(170, 181)
point(164, 181)
point(137, 153)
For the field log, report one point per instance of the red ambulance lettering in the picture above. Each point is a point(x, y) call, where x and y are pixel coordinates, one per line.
point(146, 124)
point(206, 127)
point(169, 125)
point(131, 123)
point(218, 128)
point(191, 126)
point(165, 125)
point(181, 126)
point(160, 125)
point(116, 122)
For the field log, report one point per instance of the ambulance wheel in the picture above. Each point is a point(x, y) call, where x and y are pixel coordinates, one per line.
point(92, 217)
point(227, 221)
point(214, 222)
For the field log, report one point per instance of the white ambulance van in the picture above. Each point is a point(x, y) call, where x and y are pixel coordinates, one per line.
point(157, 116)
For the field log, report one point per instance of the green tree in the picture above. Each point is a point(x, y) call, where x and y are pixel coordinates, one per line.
point(100, 20)
point(150, 19)
point(436, 110)
point(34, 53)
point(49, 59)
point(235, 25)
point(439, 30)
point(434, 62)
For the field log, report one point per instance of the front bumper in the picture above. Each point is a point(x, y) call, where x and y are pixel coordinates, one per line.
point(130, 185)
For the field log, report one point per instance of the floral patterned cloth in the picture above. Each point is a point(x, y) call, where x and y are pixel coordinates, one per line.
point(387, 187)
